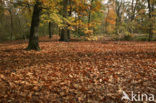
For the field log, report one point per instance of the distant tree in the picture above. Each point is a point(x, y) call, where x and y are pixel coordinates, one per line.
point(111, 17)
point(50, 31)
point(151, 7)
point(119, 9)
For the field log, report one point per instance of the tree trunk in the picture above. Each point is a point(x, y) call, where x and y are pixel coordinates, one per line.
point(68, 33)
point(33, 38)
point(11, 24)
point(59, 31)
point(118, 8)
point(78, 26)
point(150, 33)
point(50, 31)
point(150, 10)
point(64, 35)
point(89, 13)
point(89, 17)
point(64, 31)
point(70, 13)
point(11, 28)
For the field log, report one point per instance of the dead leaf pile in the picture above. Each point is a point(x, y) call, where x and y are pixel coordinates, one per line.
point(76, 72)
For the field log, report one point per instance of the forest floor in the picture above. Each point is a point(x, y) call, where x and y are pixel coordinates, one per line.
point(76, 72)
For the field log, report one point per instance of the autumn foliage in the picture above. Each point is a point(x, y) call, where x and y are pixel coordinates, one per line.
point(79, 62)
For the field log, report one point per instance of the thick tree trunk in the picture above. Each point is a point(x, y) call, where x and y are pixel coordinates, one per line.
point(33, 38)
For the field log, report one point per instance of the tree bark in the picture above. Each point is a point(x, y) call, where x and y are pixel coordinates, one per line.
point(33, 38)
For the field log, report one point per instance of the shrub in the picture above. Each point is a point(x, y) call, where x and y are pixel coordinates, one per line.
point(141, 38)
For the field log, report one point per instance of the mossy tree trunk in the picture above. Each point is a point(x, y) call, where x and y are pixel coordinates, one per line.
point(33, 38)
